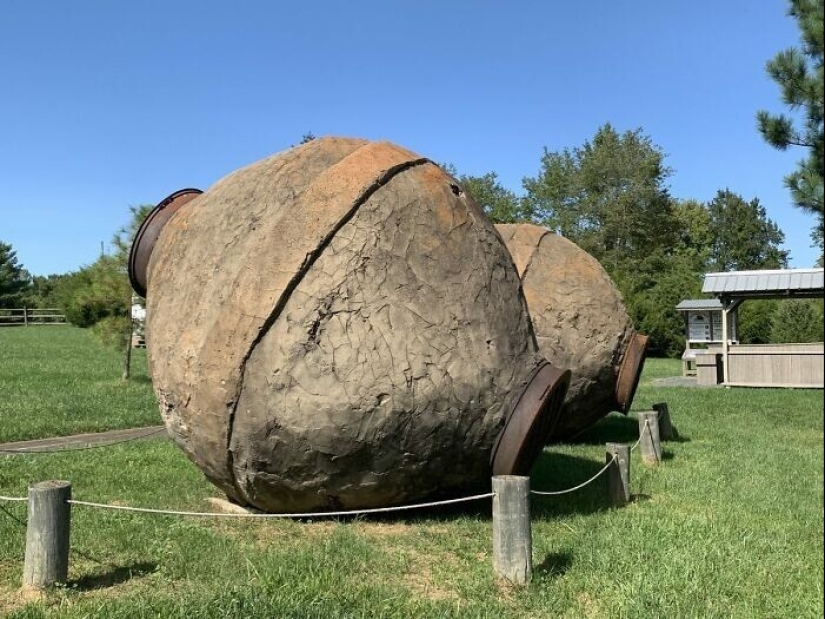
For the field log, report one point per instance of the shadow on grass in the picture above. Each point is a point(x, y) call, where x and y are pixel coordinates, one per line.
point(114, 576)
point(554, 472)
point(616, 428)
point(554, 564)
point(11, 516)
point(551, 472)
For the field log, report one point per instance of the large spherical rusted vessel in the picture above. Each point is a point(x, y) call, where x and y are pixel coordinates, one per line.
point(580, 322)
point(339, 326)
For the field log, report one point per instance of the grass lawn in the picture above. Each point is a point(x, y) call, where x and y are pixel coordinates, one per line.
point(58, 380)
point(730, 525)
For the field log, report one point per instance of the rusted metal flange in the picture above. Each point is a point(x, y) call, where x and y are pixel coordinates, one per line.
point(148, 233)
point(528, 427)
point(630, 371)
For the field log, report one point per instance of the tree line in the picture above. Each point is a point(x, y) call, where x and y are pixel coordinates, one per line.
point(97, 296)
point(609, 196)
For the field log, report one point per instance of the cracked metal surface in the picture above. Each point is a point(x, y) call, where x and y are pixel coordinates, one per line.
point(337, 326)
point(580, 322)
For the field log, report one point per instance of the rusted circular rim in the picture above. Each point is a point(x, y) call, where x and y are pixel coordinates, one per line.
point(527, 428)
point(630, 371)
point(148, 233)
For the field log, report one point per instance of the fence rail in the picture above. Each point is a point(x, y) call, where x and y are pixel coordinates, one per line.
point(28, 316)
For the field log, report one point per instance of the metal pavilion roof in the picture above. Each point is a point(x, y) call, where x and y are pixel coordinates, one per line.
point(787, 283)
point(699, 305)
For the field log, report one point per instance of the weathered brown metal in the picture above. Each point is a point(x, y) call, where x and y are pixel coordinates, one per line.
point(630, 371)
point(531, 423)
point(340, 326)
point(580, 322)
point(148, 233)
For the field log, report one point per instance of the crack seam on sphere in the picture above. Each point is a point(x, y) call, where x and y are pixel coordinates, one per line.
point(523, 275)
point(306, 264)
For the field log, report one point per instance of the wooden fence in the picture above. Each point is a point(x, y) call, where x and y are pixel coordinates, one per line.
point(777, 365)
point(765, 365)
point(27, 316)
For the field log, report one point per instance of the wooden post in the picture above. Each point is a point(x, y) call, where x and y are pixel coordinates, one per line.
point(619, 473)
point(725, 342)
point(47, 534)
point(127, 358)
point(650, 444)
point(25, 316)
point(512, 536)
point(666, 431)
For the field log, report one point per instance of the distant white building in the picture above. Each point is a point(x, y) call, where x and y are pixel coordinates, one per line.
point(138, 314)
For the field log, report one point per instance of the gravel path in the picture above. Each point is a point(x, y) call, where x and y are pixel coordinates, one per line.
point(678, 381)
point(82, 441)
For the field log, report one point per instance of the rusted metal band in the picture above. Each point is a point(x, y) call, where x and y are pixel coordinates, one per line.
point(630, 371)
point(148, 233)
point(528, 427)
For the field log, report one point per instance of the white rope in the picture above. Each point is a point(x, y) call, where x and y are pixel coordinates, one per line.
point(46, 450)
point(641, 434)
point(650, 432)
point(580, 486)
point(13, 498)
point(602, 471)
point(375, 510)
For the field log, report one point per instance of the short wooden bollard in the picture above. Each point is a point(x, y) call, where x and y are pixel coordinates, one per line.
point(618, 473)
point(47, 535)
point(512, 535)
point(650, 444)
point(666, 431)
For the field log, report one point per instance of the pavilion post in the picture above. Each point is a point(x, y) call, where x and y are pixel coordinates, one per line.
point(725, 344)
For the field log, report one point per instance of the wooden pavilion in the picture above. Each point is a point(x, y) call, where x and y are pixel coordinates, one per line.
point(764, 365)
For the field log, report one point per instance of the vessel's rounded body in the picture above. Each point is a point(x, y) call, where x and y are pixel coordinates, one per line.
point(337, 327)
point(580, 322)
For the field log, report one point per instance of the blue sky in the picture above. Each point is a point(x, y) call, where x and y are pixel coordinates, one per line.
point(110, 104)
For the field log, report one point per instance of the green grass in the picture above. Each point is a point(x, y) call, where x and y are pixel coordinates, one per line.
point(57, 380)
point(729, 526)
point(660, 368)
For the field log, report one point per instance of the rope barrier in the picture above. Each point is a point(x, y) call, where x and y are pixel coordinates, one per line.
point(35, 450)
point(13, 498)
point(377, 510)
point(357, 512)
point(636, 444)
point(597, 475)
point(580, 486)
point(650, 432)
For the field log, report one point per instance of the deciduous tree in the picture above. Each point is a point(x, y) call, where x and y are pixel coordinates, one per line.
point(99, 295)
point(743, 237)
point(607, 196)
point(798, 320)
point(500, 204)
